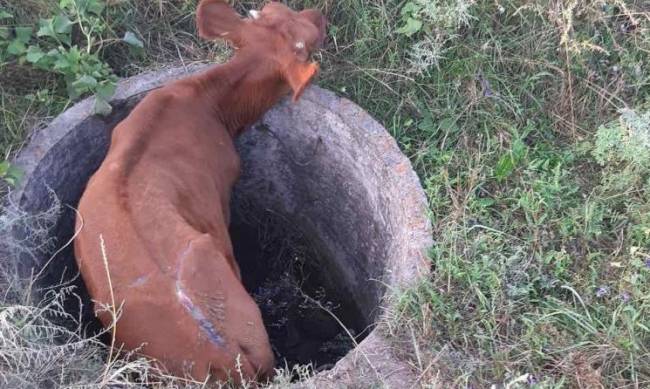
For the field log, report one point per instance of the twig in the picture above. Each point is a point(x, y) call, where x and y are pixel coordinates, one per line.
point(329, 312)
point(114, 313)
point(68, 243)
point(565, 40)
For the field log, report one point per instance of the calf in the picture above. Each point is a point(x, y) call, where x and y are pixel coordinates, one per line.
point(154, 217)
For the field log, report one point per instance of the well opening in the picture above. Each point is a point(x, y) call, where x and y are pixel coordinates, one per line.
point(327, 214)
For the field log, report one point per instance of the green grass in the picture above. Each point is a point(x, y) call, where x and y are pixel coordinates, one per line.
point(538, 187)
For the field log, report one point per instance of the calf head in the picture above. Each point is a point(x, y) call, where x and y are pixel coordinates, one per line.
point(279, 37)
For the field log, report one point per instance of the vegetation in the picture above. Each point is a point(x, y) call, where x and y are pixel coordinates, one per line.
point(527, 121)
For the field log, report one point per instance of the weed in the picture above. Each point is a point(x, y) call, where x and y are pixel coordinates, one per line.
point(50, 47)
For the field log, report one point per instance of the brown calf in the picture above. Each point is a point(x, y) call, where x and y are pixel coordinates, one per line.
point(160, 200)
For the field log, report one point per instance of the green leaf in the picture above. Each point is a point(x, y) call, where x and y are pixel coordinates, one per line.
point(24, 34)
point(132, 40)
point(485, 202)
point(85, 6)
point(62, 25)
point(46, 28)
point(10, 180)
point(61, 63)
point(448, 125)
point(84, 83)
point(73, 55)
point(9, 173)
point(410, 9)
point(13, 175)
point(411, 27)
point(66, 3)
point(504, 167)
point(508, 162)
point(518, 150)
point(106, 90)
point(5, 15)
point(4, 32)
point(16, 47)
point(47, 61)
point(34, 54)
point(102, 107)
point(426, 124)
point(96, 6)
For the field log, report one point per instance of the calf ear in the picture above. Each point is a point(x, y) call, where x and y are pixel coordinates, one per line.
point(217, 19)
point(298, 75)
point(318, 20)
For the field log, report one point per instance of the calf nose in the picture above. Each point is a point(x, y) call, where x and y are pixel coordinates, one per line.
point(261, 360)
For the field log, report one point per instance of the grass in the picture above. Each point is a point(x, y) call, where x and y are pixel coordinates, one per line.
point(527, 123)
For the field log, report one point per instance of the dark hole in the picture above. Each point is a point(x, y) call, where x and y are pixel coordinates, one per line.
point(307, 319)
